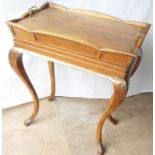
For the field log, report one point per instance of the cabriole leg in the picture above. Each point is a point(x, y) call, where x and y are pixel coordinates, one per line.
point(131, 73)
point(15, 59)
point(119, 94)
point(52, 77)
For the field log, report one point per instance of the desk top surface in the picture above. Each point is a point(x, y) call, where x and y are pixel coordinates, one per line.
point(94, 29)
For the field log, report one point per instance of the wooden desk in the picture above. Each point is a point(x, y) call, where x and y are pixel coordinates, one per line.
point(87, 40)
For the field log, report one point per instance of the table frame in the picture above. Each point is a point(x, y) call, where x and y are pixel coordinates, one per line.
point(120, 87)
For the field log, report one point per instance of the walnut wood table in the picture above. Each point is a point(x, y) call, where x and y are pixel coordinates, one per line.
point(86, 40)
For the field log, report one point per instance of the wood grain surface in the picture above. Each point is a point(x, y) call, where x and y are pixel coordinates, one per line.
point(89, 40)
point(98, 42)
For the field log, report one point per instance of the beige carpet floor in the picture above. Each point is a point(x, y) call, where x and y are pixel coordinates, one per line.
point(66, 126)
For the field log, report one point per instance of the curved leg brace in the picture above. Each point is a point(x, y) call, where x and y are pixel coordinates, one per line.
point(52, 77)
point(119, 94)
point(15, 59)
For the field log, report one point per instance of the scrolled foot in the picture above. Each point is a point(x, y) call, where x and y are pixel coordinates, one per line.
point(100, 150)
point(112, 120)
point(50, 98)
point(28, 121)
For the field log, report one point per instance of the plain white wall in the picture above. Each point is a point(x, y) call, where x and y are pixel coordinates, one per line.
point(71, 82)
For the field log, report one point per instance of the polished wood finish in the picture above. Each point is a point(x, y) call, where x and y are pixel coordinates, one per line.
point(91, 41)
point(94, 41)
point(15, 59)
point(116, 100)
